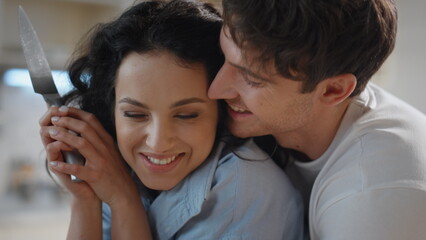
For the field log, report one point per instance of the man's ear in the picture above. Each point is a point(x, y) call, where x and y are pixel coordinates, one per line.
point(335, 90)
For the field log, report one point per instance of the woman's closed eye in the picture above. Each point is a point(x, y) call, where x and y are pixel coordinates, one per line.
point(144, 116)
point(136, 115)
point(187, 116)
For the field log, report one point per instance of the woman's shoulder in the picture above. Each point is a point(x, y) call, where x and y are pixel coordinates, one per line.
point(249, 189)
point(251, 169)
point(249, 156)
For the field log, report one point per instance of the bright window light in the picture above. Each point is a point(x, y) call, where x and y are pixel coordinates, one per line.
point(19, 77)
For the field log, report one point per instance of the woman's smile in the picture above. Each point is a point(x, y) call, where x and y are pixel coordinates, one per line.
point(161, 164)
point(165, 122)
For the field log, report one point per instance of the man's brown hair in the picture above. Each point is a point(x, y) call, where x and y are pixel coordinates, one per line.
point(311, 40)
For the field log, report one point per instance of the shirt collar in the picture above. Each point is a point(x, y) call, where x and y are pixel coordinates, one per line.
point(173, 208)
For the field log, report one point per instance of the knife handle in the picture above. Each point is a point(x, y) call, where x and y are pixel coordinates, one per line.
point(74, 157)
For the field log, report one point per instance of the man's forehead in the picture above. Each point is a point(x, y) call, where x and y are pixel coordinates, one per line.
point(232, 52)
point(243, 59)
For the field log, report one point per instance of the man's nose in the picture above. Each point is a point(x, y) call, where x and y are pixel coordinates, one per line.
point(222, 86)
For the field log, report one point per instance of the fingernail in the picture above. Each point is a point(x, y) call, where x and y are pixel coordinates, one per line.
point(53, 163)
point(63, 109)
point(55, 119)
point(53, 132)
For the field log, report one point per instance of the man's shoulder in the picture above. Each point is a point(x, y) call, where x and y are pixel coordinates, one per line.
point(378, 156)
point(377, 107)
point(380, 171)
point(379, 126)
point(380, 146)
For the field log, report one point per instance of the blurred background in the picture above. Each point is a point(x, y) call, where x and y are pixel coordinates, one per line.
point(31, 206)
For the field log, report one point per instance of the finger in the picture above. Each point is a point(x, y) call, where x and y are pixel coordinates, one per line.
point(44, 123)
point(54, 150)
point(87, 133)
point(54, 154)
point(90, 119)
point(45, 120)
point(95, 161)
point(67, 137)
point(64, 178)
point(81, 144)
point(45, 136)
point(70, 169)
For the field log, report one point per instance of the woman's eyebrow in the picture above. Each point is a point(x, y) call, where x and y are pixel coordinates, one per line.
point(133, 102)
point(187, 101)
point(176, 104)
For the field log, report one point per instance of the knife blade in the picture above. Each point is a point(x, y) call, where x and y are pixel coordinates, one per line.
point(39, 69)
point(41, 75)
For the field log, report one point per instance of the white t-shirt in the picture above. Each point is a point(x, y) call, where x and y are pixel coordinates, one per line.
point(371, 181)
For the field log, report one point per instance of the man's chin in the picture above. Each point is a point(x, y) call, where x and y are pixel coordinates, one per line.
point(244, 130)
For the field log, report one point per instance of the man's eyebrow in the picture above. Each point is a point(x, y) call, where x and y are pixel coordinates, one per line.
point(187, 101)
point(133, 102)
point(248, 72)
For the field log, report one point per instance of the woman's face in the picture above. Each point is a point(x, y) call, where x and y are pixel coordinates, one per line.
point(165, 123)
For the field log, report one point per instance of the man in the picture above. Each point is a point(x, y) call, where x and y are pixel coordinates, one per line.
point(298, 70)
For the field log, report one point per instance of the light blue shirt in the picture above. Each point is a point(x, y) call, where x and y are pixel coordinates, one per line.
point(240, 194)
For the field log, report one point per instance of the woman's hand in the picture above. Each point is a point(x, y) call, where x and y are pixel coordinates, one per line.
point(80, 191)
point(66, 129)
point(105, 175)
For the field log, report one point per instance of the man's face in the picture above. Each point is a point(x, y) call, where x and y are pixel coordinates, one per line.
point(260, 101)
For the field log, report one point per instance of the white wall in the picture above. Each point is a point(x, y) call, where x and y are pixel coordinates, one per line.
point(59, 25)
point(404, 74)
point(1, 27)
point(19, 138)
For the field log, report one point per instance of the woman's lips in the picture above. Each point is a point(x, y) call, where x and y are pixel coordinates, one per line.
point(161, 164)
point(161, 161)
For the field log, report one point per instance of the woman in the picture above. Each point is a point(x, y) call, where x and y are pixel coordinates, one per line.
point(144, 79)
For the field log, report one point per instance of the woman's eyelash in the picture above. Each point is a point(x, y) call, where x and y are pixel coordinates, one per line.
point(187, 116)
point(142, 115)
point(135, 115)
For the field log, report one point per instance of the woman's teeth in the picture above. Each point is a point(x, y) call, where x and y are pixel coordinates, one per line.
point(161, 161)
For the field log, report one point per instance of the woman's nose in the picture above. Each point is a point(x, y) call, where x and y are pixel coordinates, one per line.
point(160, 136)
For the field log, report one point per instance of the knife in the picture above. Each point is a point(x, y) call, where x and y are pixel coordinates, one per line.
point(41, 75)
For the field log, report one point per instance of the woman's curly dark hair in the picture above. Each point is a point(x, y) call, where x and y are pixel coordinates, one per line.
point(187, 29)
